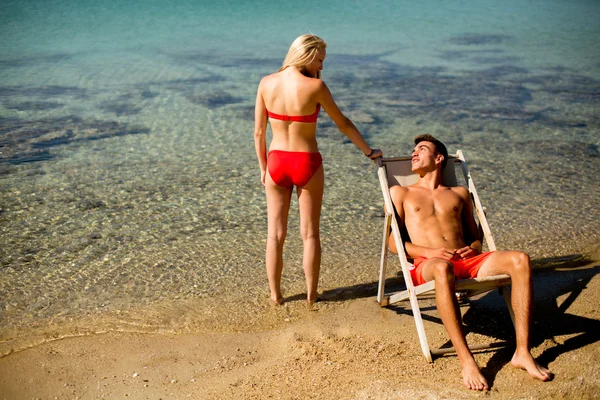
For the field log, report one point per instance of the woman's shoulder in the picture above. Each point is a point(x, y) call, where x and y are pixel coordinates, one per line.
point(272, 80)
point(268, 82)
point(268, 78)
point(314, 84)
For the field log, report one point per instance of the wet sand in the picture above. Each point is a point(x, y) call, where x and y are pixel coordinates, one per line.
point(349, 348)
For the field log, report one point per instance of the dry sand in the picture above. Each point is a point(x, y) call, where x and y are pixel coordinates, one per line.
point(349, 348)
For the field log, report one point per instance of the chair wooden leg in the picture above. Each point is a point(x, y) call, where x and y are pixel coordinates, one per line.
point(420, 327)
point(383, 265)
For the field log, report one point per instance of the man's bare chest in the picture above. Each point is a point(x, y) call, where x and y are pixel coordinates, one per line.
point(421, 204)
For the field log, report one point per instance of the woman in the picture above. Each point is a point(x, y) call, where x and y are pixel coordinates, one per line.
point(291, 99)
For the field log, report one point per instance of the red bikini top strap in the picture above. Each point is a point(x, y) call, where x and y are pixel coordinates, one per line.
point(296, 118)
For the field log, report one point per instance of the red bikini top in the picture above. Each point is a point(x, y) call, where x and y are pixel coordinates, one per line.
point(297, 118)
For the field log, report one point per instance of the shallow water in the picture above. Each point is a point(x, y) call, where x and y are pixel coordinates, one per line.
point(130, 190)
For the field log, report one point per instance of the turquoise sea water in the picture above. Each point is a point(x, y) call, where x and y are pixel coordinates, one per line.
point(130, 195)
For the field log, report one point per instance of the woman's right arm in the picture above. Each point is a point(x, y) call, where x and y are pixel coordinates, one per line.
point(260, 132)
point(344, 124)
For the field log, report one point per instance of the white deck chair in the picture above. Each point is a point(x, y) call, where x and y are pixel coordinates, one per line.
point(397, 171)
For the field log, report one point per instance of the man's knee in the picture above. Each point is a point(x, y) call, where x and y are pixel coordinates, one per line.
point(517, 263)
point(443, 270)
point(521, 262)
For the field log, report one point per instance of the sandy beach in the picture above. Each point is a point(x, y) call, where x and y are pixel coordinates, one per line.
point(349, 348)
point(133, 219)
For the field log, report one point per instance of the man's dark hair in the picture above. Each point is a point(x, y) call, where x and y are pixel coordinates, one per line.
point(440, 148)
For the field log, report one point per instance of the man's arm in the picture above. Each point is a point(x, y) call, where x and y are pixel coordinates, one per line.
point(471, 233)
point(415, 251)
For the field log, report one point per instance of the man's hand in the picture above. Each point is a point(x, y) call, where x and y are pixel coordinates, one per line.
point(444, 254)
point(466, 252)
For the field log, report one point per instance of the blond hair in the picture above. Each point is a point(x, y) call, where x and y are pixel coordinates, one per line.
point(303, 51)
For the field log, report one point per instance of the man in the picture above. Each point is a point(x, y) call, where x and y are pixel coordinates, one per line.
point(444, 244)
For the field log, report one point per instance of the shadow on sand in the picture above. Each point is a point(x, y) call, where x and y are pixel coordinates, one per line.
point(556, 289)
point(558, 282)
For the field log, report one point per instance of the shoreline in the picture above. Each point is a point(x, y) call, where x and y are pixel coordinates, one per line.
point(251, 312)
point(348, 349)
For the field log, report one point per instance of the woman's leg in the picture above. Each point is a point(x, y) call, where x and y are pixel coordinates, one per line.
point(310, 198)
point(278, 207)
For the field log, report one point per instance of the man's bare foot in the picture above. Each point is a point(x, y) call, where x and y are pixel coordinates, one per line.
point(524, 360)
point(472, 377)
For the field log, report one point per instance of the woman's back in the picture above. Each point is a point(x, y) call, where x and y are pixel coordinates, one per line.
point(290, 97)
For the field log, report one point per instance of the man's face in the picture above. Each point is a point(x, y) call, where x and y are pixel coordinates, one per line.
point(424, 156)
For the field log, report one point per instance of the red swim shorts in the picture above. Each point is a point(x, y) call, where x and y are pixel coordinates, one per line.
point(463, 269)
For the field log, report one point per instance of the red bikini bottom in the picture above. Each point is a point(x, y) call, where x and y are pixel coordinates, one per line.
point(289, 168)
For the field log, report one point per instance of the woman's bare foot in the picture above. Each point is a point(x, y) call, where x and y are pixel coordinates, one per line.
point(311, 306)
point(312, 298)
point(277, 301)
point(472, 377)
point(524, 360)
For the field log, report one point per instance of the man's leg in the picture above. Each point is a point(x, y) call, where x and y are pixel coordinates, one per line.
point(442, 272)
point(516, 265)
